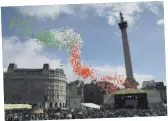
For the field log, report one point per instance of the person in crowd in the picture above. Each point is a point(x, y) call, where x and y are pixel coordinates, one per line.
point(25, 114)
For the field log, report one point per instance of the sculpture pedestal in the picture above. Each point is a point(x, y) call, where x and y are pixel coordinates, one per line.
point(131, 83)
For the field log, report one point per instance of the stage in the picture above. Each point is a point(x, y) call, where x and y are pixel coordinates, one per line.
point(131, 98)
point(138, 100)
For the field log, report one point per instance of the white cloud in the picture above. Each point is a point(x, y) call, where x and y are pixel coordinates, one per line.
point(5, 69)
point(160, 22)
point(153, 6)
point(110, 11)
point(28, 55)
point(131, 11)
point(42, 12)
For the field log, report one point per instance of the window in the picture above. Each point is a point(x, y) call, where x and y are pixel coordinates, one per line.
point(56, 104)
point(51, 105)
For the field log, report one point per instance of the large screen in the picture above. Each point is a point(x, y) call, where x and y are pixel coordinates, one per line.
point(131, 102)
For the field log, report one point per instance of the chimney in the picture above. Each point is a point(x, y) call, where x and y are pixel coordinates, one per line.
point(12, 67)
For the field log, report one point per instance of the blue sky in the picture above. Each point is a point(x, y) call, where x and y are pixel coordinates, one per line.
point(97, 25)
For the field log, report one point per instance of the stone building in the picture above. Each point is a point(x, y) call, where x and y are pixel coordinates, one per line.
point(148, 84)
point(34, 86)
point(75, 95)
point(159, 86)
point(78, 92)
point(93, 94)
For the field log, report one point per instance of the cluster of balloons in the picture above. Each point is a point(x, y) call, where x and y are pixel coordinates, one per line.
point(108, 87)
point(70, 41)
point(67, 39)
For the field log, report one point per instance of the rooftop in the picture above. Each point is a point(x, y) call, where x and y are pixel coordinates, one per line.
point(129, 90)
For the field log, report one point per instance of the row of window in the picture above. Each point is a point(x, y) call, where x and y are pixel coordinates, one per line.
point(62, 98)
point(53, 87)
point(35, 74)
point(57, 105)
point(56, 83)
point(59, 78)
point(56, 92)
point(56, 88)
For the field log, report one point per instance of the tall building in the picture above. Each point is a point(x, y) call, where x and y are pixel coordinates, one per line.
point(127, 57)
point(34, 86)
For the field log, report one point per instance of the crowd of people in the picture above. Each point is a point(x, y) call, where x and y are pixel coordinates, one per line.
point(23, 114)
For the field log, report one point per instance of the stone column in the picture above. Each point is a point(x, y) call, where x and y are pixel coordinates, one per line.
point(127, 56)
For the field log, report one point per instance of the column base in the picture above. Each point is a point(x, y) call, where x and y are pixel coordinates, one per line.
point(131, 83)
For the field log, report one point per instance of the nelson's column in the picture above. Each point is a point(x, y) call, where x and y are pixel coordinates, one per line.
point(127, 57)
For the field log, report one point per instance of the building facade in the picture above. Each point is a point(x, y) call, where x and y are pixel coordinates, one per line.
point(75, 94)
point(149, 84)
point(93, 94)
point(158, 86)
point(34, 86)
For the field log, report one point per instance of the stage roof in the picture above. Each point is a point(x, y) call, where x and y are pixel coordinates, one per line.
point(127, 91)
point(17, 106)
